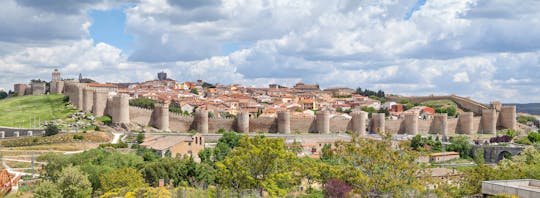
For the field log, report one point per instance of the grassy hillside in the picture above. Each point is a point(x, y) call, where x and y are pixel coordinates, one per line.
point(439, 103)
point(26, 111)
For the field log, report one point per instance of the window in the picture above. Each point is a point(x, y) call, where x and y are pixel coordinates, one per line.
point(189, 143)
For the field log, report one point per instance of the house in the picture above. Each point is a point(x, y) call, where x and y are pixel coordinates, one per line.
point(175, 145)
point(443, 156)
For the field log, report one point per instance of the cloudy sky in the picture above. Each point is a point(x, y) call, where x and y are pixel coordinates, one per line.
point(485, 49)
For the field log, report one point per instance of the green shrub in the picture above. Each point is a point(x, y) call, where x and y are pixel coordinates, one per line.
point(51, 129)
point(110, 145)
point(523, 140)
point(106, 120)
point(140, 138)
point(534, 137)
point(78, 137)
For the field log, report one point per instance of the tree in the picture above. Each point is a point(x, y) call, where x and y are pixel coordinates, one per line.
point(73, 183)
point(3, 94)
point(461, 145)
point(259, 163)
point(140, 138)
point(228, 141)
point(47, 189)
point(194, 91)
point(51, 129)
point(377, 168)
point(143, 103)
point(336, 188)
point(123, 177)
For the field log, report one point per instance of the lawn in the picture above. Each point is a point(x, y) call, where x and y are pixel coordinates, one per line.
point(29, 111)
point(439, 103)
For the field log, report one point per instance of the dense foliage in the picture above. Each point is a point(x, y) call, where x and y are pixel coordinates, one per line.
point(528, 119)
point(418, 142)
point(143, 103)
point(461, 145)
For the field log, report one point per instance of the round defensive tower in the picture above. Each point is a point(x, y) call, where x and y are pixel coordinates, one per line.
point(440, 122)
point(465, 123)
point(59, 87)
point(109, 109)
point(508, 117)
point(121, 112)
point(411, 123)
point(88, 99)
point(377, 123)
point(284, 122)
point(202, 121)
point(242, 122)
point(359, 122)
point(323, 122)
point(78, 99)
point(489, 121)
point(162, 113)
point(20, 89)
point(100, 103)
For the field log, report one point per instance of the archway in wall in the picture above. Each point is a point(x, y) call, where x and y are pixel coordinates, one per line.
point(504, 155)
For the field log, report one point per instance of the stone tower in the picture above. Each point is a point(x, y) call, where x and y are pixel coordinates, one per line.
point(161, 119)
point(100, 103)
point(284, 122)
point(56, 75)
point(411, 123)
point(377, 123)
point(121, 112)
point(38, 88)
point(465, 123)
point(323, 122)
point(489, 121)
point(202, 121)
point(440, 125)
point(359, 122)
point(242, 122)
point(88, 99)
point(20, 89)
point(508, 117)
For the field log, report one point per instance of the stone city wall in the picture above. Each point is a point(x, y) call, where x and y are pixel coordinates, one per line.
point(118, 107)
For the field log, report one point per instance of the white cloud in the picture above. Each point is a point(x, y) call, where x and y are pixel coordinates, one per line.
point(461, 77)
point(446, 46)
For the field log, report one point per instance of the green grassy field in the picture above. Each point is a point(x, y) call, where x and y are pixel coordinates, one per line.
point(29, 111)
point(440, 103)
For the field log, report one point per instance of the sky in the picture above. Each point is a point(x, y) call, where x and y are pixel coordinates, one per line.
point(484, 49)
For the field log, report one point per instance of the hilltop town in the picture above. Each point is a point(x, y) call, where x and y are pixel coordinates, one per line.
point(201, 123)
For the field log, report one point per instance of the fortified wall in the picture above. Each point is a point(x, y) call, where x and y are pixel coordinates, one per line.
point(481, 119)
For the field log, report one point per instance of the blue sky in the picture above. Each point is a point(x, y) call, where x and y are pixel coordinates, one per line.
point(475, 48)
point(108, 26)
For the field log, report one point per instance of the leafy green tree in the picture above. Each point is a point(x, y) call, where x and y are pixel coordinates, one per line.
point(143, 103)
point(74, 183)
point(461, 145)
point(206, 156)
point(3, 94)
point(47, 189)
point(228, 141)
point(259, 163)
point(126, 177)
point(140, 138)
point(376, 168)
point(51, 129)
point(194, 91)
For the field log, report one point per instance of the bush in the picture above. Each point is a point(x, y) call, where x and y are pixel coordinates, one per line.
point(336, 188)
point(140, 138)
point(110, 145)
point(51, 129)
point(461, 145)
point(533, 137)
point(106, 120)
point(78, 137)
point(523, 140)
point(143, 103)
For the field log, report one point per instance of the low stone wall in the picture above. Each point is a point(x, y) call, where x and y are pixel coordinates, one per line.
point(8, 132)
